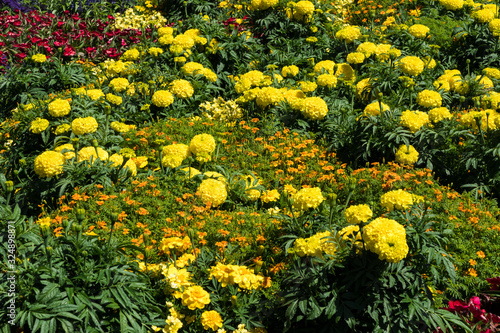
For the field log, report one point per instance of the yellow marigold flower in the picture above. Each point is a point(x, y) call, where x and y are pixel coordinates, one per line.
point(166, 40)
point(44, 222)
point(192, 68)
point(355, 58)
point(114, 99)
point(202, 143)
point(485, 15)
point(208, 74)
point(184, 41)
point(411, 65)
point(302, 10)
point(452, 4)
point(419, 30)
point(212, 191)
point(358, 214)
point(314, 246)
point(39, 125)
point(327, 80)
point(397, 199)
point(165, 31)
point(88, 153)
point(429, 99)
point(314, 108)
point(119, 84)
point(190, 172)
point(270, 196)
point(326, 65)
point(406, 155)
point(181, 88)
point(494, 27)
point(162, 98)
point(351, 234)
point(373, 109)
point(175, 243)
point(69, 150)
point(211, 320)
point(485, 82)
point(290, 71)
point(345, 72)
point(295, 98)
point(195, 297)
point(140, 161)
point(59, 107)
point(429, 62)
point(349, 34)
point(308, 86)
point(438, 114)
point(367, 48)
point(268, 96)
point(122, 127)
point(81, 126)
point(385, 51)
point(61, 129)
point(363, 87)
point(117, 160)
point(94, 94)
point(387, 238)
point(185, 259)
point(489, 119)
point(174, 154)
point(307, 198)
point(414, 120)
point(49, 164)
point(40, 58)
point(155, 51)
point(130, 55)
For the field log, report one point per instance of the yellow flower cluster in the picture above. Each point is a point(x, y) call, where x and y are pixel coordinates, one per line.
point(220, 109)
point(212, 191)
point(59, 108)
point(40, 58)
point(302, 11)
point(385, 51)
point(328, 66)
point(411, 65)
point(345, 72)
point(155, 51)
point(485, 13)
point(176, 278)
point(130, 55)
point(387, 239)
point(236, 275)
point(314, 108)
point(250, 182)
point(194, 68)
point(117, 160)
point(94, 94)
point(308, 86)
point(367, 48)
point(397, 199)
point(114, 99)
point(173, 322)
point(173, 155)
point(429, 99)
point(349, 34)
point(492, 73)
point(174, 243)
point(202, 145)
point(91, 153)
point(211, 320)
point(119, 84)
point(327, 80)
point(307, 198)
point(251, 79)
point(117, 68)
point(49, 164)
point(491, 100)
point(438, 114)
point(67, 150)
point(122, 127)
point(39, 125)
point(356, 58)
point(195, 297)
point(162, 98)
point(314, 246)
point(61, 129)
point(452, 4)
point(358, 214)
point(262, 4)
point(406, 155)
point(268, 96)
point(419, 30)
point(489, 119)
point(373, 109)
point(131, 20)
point(81, 126)
point(414, 120)
point(270, 196)
point(181, 88)
point(289, 71)
point(351, 234)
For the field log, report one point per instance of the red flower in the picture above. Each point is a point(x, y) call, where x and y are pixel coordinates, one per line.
point(69, 51)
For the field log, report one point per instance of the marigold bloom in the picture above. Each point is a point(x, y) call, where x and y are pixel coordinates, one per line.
point(88, 153)
point(40, 58)
point(387, 238)
point(307, 198)
point(452, 4)
point(289, 71)
point(119, 84)
point(162, 98)
point(429, 99)
point(411, 65)
point(358, 214)
point(373, 109)
point(407, 155)
point(70, 153)
point(355, 58)
point(202, 143)
point(212, 191)
point(81, 126)
point(39, 125)
point(314, 108)
point(327, 65)
point(195, 297)
point(438, 114)
point(211, 319)
point(419, 30)
point(59, 107)
point(49, 164)
point(397, 199)
point(173, 155)
point(327, 80)
point(181, 88)
point(414, 120)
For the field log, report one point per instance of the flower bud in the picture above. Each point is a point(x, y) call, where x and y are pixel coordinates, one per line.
point(80, 214)
point(9, 186)
point(22, 162)
point(49, 250)
point(234, 298)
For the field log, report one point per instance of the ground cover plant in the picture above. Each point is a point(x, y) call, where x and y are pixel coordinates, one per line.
point(260, 166)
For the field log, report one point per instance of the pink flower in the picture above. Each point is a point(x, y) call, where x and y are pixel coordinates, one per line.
point(69, 51)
